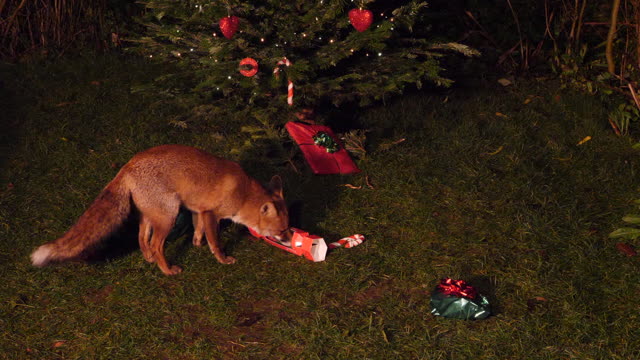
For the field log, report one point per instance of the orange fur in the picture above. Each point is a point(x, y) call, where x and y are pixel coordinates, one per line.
point(158, 182)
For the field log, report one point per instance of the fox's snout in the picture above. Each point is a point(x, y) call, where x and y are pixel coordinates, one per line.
point(285, 236)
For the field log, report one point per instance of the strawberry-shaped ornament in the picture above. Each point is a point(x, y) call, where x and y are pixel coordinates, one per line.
point(361, 19)
point(229, 26)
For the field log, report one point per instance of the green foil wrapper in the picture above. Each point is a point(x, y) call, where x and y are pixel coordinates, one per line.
point(454, 307)
point(326, 141)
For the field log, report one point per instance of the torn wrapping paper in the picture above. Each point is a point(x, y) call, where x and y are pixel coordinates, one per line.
point(304, 244)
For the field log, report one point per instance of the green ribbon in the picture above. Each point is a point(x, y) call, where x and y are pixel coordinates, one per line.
point(323, 139)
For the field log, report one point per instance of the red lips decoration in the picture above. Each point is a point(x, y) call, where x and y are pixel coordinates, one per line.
point(248, 67)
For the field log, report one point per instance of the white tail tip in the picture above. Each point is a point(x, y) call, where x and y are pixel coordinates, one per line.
point(40, 257)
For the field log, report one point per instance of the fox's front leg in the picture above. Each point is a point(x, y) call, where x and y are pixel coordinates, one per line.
point(210, 223)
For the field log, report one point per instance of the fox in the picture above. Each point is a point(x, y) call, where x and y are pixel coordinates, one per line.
point(158, 182)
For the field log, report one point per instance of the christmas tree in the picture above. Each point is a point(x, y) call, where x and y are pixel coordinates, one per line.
point(263, 57)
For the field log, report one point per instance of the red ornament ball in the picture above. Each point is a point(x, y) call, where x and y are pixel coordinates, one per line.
point(229, 26)
point(252, 64)
point(360, 19)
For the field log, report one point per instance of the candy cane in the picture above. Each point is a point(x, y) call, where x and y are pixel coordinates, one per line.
point(348, 242)
point(276, 70)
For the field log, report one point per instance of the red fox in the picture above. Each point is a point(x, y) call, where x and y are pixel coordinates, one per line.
point(158, 182)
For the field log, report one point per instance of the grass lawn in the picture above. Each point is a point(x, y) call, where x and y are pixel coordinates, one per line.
point(489, 185)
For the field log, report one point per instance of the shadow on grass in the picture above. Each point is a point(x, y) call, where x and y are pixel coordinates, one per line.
point(124, 241)
point(485, 287)
point(120, 243)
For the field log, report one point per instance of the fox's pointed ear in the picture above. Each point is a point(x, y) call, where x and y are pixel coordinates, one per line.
point(268, 209)
point(276, 185)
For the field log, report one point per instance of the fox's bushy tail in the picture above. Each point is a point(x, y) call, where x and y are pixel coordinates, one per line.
point(107, 212)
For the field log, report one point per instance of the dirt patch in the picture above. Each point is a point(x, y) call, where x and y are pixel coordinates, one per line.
point(98, 296)
point(372, 293)
point(193, 325)
point(253, 321)
point(379, 292)
point(248, 334)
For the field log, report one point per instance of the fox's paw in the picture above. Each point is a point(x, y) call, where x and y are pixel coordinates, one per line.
point(148, 256)
point(197, 240)
point(173, 270)
point(227, 260)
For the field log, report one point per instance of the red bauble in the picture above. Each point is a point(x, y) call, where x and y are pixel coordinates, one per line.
point(360, 19)
point(248, 62)
point(229, 26)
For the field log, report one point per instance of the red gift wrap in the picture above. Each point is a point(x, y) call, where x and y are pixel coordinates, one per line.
point(320, 160)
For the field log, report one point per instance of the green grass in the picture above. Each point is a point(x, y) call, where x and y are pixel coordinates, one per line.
point(485, 187)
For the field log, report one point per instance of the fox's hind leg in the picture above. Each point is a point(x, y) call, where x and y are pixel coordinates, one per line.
point(160, 231)
point(144, 237)
point(160, 211)
point(198, 228)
